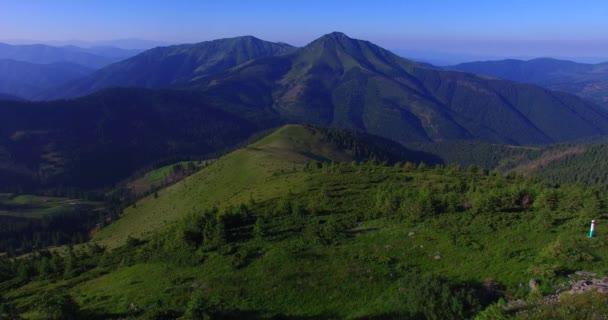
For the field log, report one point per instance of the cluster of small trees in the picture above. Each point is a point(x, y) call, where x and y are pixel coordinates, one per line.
point(52, 266)
point(21, 235)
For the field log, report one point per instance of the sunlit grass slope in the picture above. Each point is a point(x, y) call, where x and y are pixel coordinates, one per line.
point(248, 173)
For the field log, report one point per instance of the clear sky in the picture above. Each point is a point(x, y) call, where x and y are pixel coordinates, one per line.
point(576, 28)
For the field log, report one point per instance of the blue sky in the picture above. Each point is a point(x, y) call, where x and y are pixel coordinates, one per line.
point(514, 28)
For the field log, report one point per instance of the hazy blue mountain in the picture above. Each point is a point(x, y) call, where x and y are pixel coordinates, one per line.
point(107, 51)
point(166, 66)
point(586, 80)
point(44, 54)
point(343, 82)
point(27, 80)
point(8, 97)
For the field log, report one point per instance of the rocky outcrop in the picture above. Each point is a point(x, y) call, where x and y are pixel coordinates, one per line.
point(585, 281)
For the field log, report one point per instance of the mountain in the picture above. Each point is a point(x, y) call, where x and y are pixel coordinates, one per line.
point(98, 140)
point(27, 80)
point(251, 172)
point(334, 81)
point(343, 82)
point(42, 54)
point(107, 51)
point(10, 97)
point(127, 44)
point(586, 80)
point(166, 66)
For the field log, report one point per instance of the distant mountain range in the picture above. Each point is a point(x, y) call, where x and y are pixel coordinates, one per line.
point(339, 81)
point(128, 43)
point(218, 93)
point(28, 71)
point(343, 82)
point(586, 80)
point(27, 80)
point(9, 97)
point(166, 66)
point(43, 54)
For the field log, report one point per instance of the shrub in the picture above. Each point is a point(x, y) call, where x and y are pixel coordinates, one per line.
point(58, 305)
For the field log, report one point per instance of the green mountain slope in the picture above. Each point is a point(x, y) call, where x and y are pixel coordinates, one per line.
point(343, 82)
point(27, 80)
point(98, 140)
point(258, 171)
point(582, 163)
point(293, 239)
point(165, 66)
point(586, 80)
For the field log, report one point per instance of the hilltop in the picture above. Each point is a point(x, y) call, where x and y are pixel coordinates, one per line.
point(166, 66)
point(257, 171)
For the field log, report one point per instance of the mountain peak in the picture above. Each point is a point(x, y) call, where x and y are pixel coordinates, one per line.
point(335, 40)
point(335, 37)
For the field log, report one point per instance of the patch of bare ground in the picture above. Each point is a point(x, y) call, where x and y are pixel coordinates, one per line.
point(550, 156)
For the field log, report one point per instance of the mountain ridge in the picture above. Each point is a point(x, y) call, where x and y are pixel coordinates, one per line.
point(44, 54)
point(28, 80)
point(589, 81)
point(164, 66)
point(344, 82)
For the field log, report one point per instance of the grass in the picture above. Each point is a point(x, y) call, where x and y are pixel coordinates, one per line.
point(33, 206)
point(369, 270)
point(367, 273)
point(249, 173)
point(158, 177)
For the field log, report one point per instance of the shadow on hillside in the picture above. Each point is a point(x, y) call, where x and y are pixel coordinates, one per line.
point(423, 156)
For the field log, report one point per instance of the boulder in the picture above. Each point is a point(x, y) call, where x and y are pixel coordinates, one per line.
point(533, 284)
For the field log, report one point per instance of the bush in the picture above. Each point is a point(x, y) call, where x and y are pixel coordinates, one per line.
point(437, 298)
point(58, 305)
point(199, 308)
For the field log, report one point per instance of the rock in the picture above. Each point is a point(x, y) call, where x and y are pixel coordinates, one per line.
point(437, 257)
point(133, 307)
point(411, 234)
point(585, 274)
point(533, 284)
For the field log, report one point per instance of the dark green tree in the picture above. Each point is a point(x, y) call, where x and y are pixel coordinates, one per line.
point(57, 305)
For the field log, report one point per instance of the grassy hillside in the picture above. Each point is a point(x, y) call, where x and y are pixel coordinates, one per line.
point(297, 239)
point(163, 176)
point(257, 171)
point(32, 206)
